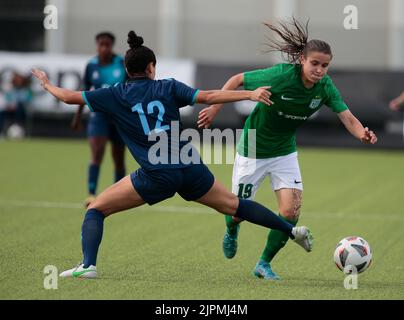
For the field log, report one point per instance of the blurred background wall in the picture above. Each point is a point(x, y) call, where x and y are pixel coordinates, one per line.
point(226, 31)
point(225, 37)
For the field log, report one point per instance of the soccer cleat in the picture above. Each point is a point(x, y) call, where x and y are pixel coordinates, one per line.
point(80, 272)
point(88, 201)
point(263, 270)
point(230, 242)
point(303, 237)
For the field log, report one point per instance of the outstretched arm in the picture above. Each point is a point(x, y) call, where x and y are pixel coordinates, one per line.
point(207, 115)
point(65, 95)
point(222, 96)
point(233, 83)
point(353, 125)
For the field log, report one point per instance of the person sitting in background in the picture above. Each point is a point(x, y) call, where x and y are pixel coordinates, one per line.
point(397, 103)
point(17, 99)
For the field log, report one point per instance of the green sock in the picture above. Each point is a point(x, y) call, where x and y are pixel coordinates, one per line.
point(276, 241)
point(231, 224)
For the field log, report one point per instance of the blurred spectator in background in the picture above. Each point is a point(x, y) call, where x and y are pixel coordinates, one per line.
point(16, 100)
point(397, 103)
point(104, 70)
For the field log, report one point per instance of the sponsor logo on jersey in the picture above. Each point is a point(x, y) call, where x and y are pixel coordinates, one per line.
point(291, 116)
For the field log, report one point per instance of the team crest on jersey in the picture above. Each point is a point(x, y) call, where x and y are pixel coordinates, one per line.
point(315, 102)
point(95, 75)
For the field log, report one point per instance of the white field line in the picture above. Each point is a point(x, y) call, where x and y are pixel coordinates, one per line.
point(195, 209)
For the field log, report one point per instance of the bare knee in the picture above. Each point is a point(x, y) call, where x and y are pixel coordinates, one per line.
point(100, 206)
point(291, 210)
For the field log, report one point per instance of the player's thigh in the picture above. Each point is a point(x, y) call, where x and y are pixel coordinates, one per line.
point(220, 199)
point(284, 172)
point(248, 173)
point(118, 197)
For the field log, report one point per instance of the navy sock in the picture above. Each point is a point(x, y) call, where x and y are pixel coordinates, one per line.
point(258, 214)
point(119, 174)
point(91, 235)
point(93, 173)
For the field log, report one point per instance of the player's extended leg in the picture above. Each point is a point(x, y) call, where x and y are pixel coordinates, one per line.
point(97, 146)
point(118, 155)
point(118, 197)
point(289, 201)
point(220, 199)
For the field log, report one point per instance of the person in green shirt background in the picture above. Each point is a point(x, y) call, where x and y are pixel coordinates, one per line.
point(298, 89)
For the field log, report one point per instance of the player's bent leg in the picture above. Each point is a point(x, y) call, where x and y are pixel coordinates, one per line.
point(118, 156)
point(220, 199)
point(289, 201)
point(97, 147)
point(225, 202)
point(230, 244)
point(118, 197)
point(248, 173)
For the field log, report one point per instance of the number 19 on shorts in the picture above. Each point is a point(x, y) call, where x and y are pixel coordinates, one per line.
point(244, 190)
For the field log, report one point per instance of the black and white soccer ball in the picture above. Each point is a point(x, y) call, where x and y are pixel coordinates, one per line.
point(353, 255)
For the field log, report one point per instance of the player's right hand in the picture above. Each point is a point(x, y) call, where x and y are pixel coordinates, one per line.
point(41, 75)
point(262, 94)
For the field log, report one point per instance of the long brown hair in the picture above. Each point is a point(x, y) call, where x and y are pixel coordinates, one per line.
point(294, 41)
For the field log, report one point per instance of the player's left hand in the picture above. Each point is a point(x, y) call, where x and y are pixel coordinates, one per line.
point(41, 76)
point(368, 136)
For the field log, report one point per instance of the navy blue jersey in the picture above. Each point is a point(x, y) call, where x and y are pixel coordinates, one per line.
point(101, 76)
point(143, 110)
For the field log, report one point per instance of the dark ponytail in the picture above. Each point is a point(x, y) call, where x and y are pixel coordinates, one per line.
point(294, 42)
point(138, 57)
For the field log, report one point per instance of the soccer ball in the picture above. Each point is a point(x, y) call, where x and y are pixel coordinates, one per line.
point(353, 255)
point(15, 131)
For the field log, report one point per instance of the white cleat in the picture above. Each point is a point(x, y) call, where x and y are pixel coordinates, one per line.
point(303, 237)
point(80, 272)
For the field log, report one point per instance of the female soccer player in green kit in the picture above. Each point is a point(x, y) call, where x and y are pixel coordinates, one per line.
point(298, 89)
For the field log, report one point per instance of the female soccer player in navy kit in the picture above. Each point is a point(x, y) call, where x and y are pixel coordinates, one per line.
point(141, 108)
point(104, 70)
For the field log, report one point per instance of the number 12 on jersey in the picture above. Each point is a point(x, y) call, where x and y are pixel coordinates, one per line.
point(150, 110)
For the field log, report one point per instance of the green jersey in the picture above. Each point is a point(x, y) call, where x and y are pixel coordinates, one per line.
point(275, 126)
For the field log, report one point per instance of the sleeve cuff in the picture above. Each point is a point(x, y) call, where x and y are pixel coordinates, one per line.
point(83, 94)
point(194, 97)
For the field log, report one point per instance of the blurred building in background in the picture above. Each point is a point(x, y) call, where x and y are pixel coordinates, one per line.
point(213, 40)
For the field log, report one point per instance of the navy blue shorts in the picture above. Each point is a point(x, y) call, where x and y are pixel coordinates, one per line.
point(190, 183)
point(100, 126)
